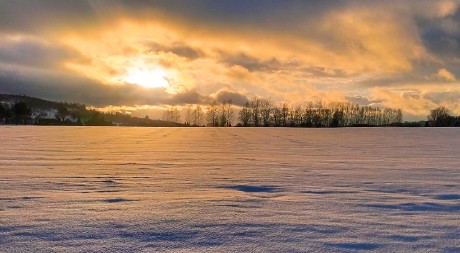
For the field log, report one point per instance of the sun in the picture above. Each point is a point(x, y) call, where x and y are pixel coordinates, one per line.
point(149, 78)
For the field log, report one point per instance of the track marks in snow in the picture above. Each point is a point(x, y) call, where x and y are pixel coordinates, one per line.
point(354, 246)
point(448, 197)
point(254, 188)
point(117, 200)
point(419, 207)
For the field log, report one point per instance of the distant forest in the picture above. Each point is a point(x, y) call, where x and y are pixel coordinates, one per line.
point(23, 110)
point(262, 113)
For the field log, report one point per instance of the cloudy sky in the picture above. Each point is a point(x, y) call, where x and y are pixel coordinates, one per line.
point(139, 55)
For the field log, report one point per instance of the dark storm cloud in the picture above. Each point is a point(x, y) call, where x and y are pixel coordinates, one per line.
point(33, 16)
point(187, 97)
point(236, 11)
point(440, 41)
point(362, 100)
point(248, 62)
point(324, 72)
point(254, 64)
point(235, 97)
point(422, 74)
point(178, 49)
point(442, 38)
point(415, 94)
point(439, 97)
point(186, 52)
point(36, 53)
point(73, 88)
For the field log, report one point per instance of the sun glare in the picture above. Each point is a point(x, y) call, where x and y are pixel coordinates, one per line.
point(149, 78)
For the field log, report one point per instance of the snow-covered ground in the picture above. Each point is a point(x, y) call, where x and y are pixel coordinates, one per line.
point(109, 189)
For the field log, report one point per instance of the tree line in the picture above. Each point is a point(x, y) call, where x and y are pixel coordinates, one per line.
point(22, 113)
point(41, 112)
point(261, 113)
point(440, 117)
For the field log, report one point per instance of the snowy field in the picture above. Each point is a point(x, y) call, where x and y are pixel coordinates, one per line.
point(109, 189)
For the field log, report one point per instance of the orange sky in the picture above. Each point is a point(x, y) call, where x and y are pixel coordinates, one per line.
point(142, 54)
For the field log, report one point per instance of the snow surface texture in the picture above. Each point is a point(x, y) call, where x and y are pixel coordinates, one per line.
point(108, 189)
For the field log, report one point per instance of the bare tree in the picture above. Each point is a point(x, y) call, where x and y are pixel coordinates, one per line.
point(284, 113)
point(229, 113)
point(222, 111)
point(255, 112)
point(188, 115)
point(265, 112)
point(171, 114)
point(276, 117)
point(197, 115)
point(295, 116)
point(245, 115)
point(212, 114)
point(439, 117)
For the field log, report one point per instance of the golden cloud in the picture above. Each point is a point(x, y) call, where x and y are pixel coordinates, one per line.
point(446, 75)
